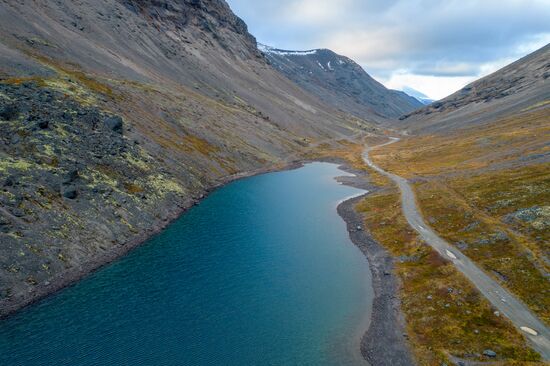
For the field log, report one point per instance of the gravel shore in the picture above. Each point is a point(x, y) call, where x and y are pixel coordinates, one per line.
point(385, 341)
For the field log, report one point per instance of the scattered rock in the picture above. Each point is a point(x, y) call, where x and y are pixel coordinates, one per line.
point(483, 241)
point(10, 181)
point(500, 236)
point(489, 353)
point(66, 116)
point(408, 258)
point(538, 217)
point(43, 124)
point(71, 176)
point(525, 215)
point(114, 124)
point(17, 212)
point(9, 112)
point(90, 118)
point(70, 193)
point(5, 225)
point(471, 227)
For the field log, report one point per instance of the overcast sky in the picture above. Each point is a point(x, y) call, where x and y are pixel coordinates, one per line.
point(434, 46)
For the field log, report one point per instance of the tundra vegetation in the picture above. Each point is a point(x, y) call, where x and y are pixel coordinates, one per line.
point(447, 319)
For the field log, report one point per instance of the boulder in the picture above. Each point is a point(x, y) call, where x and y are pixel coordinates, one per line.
point(91, 118)
point(70, 193)
point(114, 124)
point(43, 124)
point(9, 112)
point(17, 212)
point(489, 353)
point(71, 176)
point(10, 181)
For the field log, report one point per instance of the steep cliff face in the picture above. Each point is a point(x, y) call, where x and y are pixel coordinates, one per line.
point(117, 114)
point(213, 17)
point(341, 82)
point(520, 85)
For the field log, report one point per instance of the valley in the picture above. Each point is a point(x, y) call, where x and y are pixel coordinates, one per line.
point(121, 119)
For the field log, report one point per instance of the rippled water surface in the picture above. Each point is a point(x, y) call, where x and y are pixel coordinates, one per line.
point(261, 273)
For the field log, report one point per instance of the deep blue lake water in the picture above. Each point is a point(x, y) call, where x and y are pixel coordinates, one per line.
point(262, 272)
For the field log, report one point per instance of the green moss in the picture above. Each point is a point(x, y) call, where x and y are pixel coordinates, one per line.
point(162, 185)
point(73, 89)
point(138, 163)
point(15, 164)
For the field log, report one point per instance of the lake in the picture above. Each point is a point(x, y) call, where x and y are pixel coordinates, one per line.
point(262, 272)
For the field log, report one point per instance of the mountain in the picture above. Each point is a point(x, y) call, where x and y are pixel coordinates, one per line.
point(341, 83)
point(421, 97)
point(511, 89)
point(116, 115)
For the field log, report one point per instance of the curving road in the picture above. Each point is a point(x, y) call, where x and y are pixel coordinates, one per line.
point(529, 324)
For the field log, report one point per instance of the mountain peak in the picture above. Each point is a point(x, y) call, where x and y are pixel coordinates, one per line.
point(421, 97)
point(340, 81)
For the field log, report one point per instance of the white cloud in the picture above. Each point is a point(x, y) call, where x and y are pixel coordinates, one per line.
point(435, 87)
point(438, 46)
point(314, 11)
point(376, 48)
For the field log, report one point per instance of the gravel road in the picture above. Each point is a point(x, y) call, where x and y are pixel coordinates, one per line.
point(519, 314)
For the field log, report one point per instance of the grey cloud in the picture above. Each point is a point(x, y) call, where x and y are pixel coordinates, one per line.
point(425, 37)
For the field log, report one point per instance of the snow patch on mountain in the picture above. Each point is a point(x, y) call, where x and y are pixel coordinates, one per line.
point(421, 97)
point(275, 51)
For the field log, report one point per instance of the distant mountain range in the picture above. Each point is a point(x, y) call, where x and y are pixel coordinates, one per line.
point(340, 82)
point(422, 98)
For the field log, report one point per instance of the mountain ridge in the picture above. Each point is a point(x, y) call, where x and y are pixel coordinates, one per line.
point(341, 82)
point(519, 85)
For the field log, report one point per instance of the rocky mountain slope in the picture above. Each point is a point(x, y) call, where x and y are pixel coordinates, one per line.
point(520, 85)
point(341, 82)
point(115, 115)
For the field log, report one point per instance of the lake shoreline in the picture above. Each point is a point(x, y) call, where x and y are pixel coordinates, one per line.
point(384, 342)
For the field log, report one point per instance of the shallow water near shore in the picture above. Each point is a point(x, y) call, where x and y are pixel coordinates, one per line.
point(262, 272)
